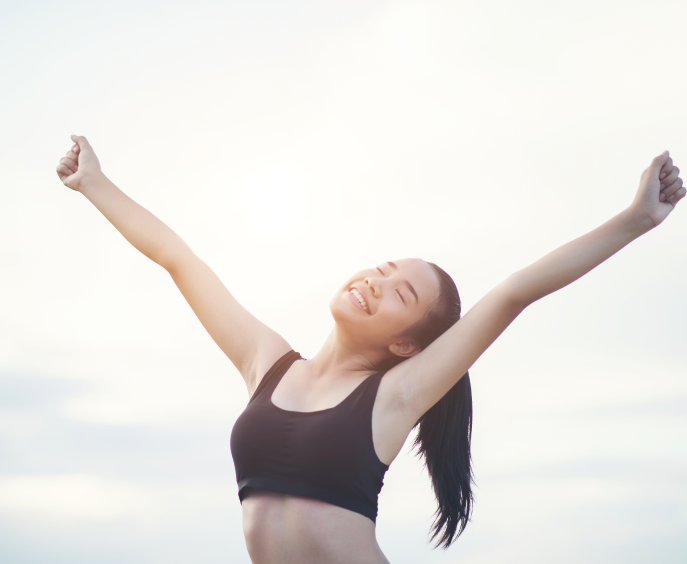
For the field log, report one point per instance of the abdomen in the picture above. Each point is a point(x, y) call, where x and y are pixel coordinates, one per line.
point(282, 529)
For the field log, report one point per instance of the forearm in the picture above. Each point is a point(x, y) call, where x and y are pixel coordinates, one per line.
point(138, 226)
point(573, 260)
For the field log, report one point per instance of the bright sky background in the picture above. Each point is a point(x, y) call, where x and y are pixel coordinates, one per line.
point(291, 144)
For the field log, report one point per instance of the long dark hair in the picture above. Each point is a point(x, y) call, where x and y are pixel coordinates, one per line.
point(444, 432)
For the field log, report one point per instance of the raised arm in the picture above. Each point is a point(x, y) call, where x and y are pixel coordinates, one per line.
point(659, 190)
point(425, 378)
point(250, 345)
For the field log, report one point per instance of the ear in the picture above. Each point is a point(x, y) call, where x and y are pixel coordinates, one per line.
point(405, 348)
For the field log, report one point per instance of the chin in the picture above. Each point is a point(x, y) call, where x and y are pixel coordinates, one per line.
point(338, 307)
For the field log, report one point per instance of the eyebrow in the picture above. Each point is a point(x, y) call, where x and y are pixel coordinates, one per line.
point(408, 284)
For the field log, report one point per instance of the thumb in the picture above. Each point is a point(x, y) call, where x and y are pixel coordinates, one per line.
point(82, 142)
point(654, 167)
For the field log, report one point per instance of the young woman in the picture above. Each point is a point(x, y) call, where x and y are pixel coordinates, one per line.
point(317, 436)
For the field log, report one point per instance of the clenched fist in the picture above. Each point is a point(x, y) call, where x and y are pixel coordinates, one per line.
point(660, 189)
point(80, 166)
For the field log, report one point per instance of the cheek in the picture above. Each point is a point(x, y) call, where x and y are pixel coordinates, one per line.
point(397, 317)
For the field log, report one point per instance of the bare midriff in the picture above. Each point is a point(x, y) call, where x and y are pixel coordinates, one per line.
point(284, 529)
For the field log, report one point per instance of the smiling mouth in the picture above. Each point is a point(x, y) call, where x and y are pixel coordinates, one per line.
point(363, 304)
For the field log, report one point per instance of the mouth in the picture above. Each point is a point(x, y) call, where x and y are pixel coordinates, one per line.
point(357, 298)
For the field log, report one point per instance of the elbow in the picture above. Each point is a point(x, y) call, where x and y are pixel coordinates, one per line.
point(166, 260)
point(516, 294)
point(172, 257)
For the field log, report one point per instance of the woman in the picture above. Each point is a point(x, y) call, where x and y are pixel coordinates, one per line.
point(317, 436)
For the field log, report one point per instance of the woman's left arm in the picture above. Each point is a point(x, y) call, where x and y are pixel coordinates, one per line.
point(426, 377)
point(659, 190)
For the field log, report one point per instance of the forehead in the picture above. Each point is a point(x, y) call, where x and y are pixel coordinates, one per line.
point(421, 275)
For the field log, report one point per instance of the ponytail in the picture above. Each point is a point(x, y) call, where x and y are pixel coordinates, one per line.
point(445, 431)
point(443, 439)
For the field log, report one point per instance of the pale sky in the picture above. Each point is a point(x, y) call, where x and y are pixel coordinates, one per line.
point(292, 144)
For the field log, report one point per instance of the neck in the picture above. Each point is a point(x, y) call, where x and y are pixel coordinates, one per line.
point(341, 356)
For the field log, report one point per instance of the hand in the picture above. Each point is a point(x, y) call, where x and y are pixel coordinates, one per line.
point(660, 189)
point(80, 166)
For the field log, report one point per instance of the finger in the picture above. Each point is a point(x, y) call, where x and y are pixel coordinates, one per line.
point(75, 149)
point(668, 180)
point(73, 156)
point(657, 164)
point(666, 169)
point(81, 141)
point(675, 198)
point(63, 171)
point(70, 164)
point(66, 168)
point(670, 190)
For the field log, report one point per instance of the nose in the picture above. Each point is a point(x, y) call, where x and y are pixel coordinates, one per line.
point(374, 285)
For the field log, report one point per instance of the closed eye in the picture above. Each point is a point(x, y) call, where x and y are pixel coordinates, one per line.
point(400, 296)
point(380, 271)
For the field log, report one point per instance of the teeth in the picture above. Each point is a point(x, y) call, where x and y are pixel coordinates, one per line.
point(359, 298)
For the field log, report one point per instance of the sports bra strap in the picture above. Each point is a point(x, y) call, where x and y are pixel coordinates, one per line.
point(363, 397)
point(274, 375)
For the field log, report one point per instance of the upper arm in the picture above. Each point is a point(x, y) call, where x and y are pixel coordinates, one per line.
point(421, 381)
point(250, 344)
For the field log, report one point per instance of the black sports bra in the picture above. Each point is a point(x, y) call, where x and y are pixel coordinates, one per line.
point(327, 455)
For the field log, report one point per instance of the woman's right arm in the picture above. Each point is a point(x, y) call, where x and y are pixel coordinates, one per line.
point(250, 344)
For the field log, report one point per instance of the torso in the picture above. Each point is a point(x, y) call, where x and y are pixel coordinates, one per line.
point(281, 529)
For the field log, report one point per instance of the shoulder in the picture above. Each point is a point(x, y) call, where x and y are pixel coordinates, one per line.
point(263, 361)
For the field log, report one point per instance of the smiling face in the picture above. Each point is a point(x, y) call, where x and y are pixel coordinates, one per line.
point(377, 305)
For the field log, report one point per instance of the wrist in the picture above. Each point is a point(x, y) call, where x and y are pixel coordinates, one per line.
point(637, 220)
point(92, 182)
